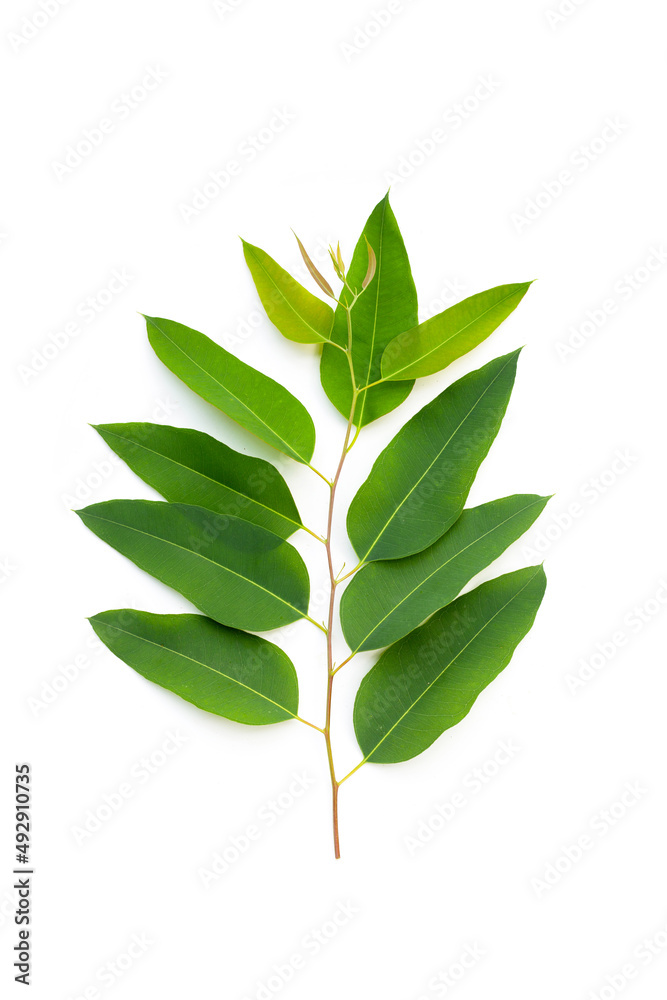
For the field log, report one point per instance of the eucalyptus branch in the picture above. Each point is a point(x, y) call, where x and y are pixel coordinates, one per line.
point(220, 537)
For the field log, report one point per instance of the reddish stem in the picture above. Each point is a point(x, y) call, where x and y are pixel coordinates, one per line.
point(332, 603)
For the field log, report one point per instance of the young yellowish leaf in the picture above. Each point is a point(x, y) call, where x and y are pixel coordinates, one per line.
point(320, 279)
point(372, 265)
point(296, 312)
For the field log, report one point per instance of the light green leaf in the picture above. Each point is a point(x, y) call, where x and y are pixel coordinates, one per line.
point(419, 483)
point(386, 308)
point(444, 338)
point(234, 571)
point(239, 676)
point(298, 314)
point(429, 681)
point(254, 400)
point(386, 600)
point(188, 466)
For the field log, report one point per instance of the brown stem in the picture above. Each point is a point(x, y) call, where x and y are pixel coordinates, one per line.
point(332, 772)
point(331, 670)
point(332, 602)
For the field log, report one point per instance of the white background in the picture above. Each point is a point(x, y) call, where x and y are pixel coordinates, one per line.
point(360, 100)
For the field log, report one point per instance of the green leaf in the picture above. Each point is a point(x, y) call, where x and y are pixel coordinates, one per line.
point(429, 681)
point(298, 314)
point(188, 466)
point(239, 676)
point(433, 345)
point(234, 571)
point(386, 600)
point(386, 308)
point(254, 400)
point(419, 483)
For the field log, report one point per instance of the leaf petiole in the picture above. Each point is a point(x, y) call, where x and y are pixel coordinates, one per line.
point(310, 724)
point(370, 385)
point(320, 474)
point(339, 346)
point(351, 572)
point(341, 665)
point(354, 439)
point(316, 624)
point(353, 771)
point(315, 535)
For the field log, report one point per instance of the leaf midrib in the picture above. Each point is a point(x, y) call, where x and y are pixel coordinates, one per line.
point(446, 668)
point(435, 459)
point(198, 555)
point(439, 568)
point(200, 663)
point(274, 434)
point(456, 333)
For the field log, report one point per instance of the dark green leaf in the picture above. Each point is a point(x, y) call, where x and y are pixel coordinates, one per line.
point(386, 600)
point(419, 484)
point(433, 345)
point(386, 308)
point(298, 314)
point(429, 681)
point(188, 466)
point(230, 673)
point(254, 400)
point(234, 571)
